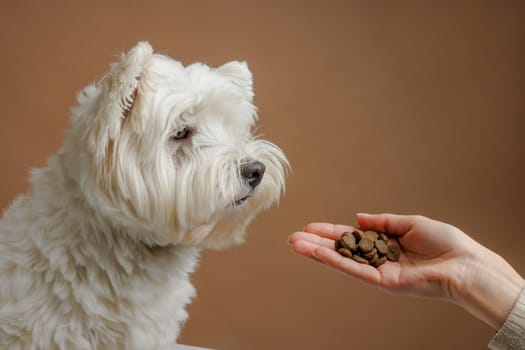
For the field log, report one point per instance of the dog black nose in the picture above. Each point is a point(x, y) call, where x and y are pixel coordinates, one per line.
point(252, 171)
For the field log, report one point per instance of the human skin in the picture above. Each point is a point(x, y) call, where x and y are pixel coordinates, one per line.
point(437, 261)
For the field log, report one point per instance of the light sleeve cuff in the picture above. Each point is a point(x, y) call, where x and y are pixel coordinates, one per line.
point(512, 335)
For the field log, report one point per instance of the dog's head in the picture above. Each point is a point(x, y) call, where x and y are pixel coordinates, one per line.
point(166, 152)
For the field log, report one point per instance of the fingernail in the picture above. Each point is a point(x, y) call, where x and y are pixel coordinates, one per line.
point(362, 214)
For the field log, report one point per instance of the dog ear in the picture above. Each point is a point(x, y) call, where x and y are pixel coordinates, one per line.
point(117, 93)
point(122, 82)
point(239, 74)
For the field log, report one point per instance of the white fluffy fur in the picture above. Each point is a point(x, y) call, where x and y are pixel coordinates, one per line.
point(98, 255)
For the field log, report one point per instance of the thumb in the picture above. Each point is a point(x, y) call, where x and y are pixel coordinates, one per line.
point(388, 223)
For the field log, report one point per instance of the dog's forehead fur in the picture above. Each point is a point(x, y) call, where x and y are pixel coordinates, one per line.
point(191, 95)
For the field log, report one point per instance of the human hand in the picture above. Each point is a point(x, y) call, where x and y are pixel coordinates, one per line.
point(437, 261)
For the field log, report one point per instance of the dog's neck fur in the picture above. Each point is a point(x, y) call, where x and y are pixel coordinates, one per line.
point(114, 283)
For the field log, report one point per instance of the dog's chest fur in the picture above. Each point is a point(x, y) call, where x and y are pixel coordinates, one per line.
point(70, 281)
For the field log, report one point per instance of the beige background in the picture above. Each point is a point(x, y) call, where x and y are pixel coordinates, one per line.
point(407, 107)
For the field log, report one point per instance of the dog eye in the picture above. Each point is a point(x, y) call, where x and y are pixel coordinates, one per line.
point(181, 133)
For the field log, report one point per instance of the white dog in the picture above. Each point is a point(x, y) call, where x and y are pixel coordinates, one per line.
point(159, 163)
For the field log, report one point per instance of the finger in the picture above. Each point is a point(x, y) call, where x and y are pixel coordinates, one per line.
point(389, 223)
point(310, 237)
point(363, 272)
point(329, 257)
point(327, 230)
point(304, 247)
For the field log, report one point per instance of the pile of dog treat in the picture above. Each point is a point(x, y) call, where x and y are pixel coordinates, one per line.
point(368, 247)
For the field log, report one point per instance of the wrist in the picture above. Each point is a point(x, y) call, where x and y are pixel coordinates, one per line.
point(489, 287)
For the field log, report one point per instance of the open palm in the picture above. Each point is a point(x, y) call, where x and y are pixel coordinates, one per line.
point(429, 265)
point(437, 261)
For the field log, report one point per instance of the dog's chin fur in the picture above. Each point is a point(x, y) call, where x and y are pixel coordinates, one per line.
point(98, 256)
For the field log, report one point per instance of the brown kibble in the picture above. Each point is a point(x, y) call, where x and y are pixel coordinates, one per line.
point(366, 245)
point(358, 234)
point(372, 235)
point(360, 259)
point(345, 252)
point(380, 261)
point(348, 241)
point(393, 252)
point(337, 245)
point(381, 246)
point(370, 254)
